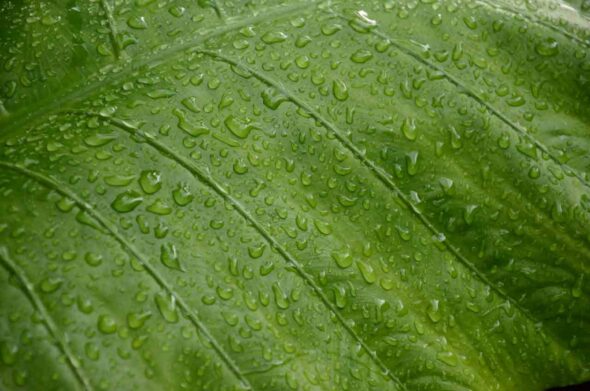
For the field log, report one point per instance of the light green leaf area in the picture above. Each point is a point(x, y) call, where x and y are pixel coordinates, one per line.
point(283, 195)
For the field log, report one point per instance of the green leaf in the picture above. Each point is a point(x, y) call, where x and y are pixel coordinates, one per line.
point(275, 195)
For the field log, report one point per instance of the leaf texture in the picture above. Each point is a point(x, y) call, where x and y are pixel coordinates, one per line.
point(276, 195)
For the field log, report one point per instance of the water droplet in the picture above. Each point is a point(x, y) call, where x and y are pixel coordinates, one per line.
point(167, 306)
point(185, 125)
point(343, 258)
point(160, 207)
point(119, 180)
point(469, 212)
point(448, 358)
point(127, 201)
point(256, 251)
point(340, 296)
point(92, 351)
point(240, 128)
point(534, 172)
point(150, 181)
point(191, 104)
point(137, 23)
point(176, 11)
point(169, 256)
point(51, 284)
point(8, 352)
point(361, 56)
point(408, 129)
point(433, 311)
point(577, 288)
point(549, 47)
point(93, 259)
point(340, 90)
point(412, 163)
point(161, 93)
point(106, 324)
point(240, 167)
point(367, 272)
point(272, 98)
point(182, 195)
point(99, 139)
point(323, 227)
point(136, 320)
point(274, 37)
point(225, 293)
point(281, 299)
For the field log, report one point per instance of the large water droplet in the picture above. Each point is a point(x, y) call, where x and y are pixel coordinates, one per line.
point(167, 306)
point(150, 181)
point(169, 256)
point(127, 201)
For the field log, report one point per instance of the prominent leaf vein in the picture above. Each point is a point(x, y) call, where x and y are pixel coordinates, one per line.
point(113, 33)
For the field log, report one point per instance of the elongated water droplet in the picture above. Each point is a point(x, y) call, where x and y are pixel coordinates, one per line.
point(340, 90)
point(577, 288)
point(127, 201)
point(240, 128)
point(169, 256)
point(448, 358)
point(281, 299)
point(549, 47)
point(272, 98)
point(274, 37)
point(409, 129)
point(167, 306)
point(433, 311)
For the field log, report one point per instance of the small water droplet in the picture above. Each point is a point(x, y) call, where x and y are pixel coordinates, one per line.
point(106, 324)
point(137, 22)
point(577, 288)
point(448, 358)
point(51, 284)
